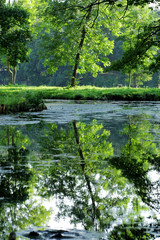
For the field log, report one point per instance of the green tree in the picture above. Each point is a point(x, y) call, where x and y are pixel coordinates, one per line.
point(35, 73)
point(133, 23)
point(141, 52)
point(14, 36)
point(75, 35)
point(78, 38)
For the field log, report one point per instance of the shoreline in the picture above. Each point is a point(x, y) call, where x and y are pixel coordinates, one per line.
point(22, 98)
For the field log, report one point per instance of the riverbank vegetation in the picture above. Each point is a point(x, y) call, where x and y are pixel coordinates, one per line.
point(14, 100)
point(22, 98)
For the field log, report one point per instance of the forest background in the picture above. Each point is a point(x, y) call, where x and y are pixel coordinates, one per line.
point(47, 40)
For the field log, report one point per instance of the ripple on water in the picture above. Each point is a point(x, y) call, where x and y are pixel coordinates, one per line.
point(66, 111)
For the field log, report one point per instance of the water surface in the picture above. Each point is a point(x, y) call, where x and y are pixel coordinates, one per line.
point(83, 170)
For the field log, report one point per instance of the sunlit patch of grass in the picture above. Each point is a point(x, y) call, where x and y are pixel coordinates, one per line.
point(12, 100)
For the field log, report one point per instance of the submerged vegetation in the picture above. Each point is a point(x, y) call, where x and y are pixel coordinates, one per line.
point(22, 98)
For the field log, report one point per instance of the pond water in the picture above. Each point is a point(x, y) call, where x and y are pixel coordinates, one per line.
point(81, 170)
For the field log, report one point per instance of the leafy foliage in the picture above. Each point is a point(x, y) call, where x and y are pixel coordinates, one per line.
point(14, 36)
point(132, 31)
point(143, 49)
point(78, 38)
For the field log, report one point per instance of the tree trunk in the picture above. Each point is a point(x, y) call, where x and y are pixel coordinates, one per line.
point(129, 136)
point(12, 74)
point(8, 135)
point(95, 211)
point(13, 139)
point(158, 83)
point(78, 143)
point(74, 75)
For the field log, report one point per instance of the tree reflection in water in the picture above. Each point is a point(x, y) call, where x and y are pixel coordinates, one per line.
point(78, 167)
point(130, 232)
point(139, 156)
point(17, 211)
point(93, 178)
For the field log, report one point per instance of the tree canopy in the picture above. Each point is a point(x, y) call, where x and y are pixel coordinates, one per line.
point(78, 33)
point(14, 36)
point(80, 36)
point(144, 50)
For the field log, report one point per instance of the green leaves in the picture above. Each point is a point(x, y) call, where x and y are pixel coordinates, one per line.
point(14, 35)
point(139, 44)
point(68, 44)
point(12, 16)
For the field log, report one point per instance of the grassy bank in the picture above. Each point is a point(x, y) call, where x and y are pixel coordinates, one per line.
point(15, 100)
point(20, 98)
